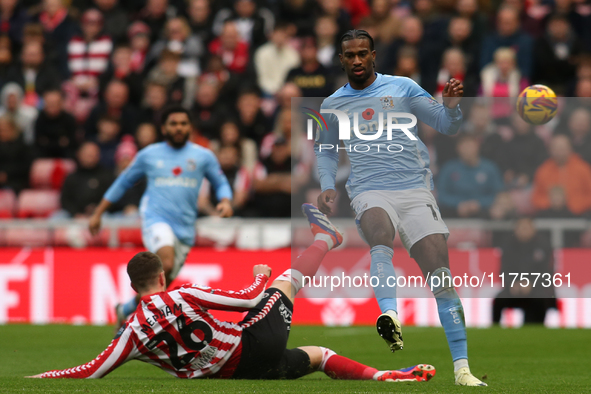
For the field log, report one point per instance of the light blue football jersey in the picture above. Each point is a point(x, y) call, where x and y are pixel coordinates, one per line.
point(174, 177)
point(399, 163)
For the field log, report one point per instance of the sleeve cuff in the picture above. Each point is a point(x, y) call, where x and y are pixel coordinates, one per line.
point(455, 113)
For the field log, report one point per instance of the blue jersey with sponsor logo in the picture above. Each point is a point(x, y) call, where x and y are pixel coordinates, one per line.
point(389, 160)
point(174, 177)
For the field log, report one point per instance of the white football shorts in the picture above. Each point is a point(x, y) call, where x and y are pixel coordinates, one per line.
point(160, 234)
point(414, 213)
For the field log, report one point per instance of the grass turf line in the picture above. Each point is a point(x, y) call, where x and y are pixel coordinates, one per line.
point(531, 359)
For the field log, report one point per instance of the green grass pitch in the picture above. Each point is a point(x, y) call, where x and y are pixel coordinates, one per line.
point(527, 360)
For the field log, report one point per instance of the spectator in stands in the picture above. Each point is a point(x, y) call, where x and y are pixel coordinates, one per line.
point(503, 208)
point(253, 24)
point(313, 79)
point(460, 34)
point(33, 74)
point(251, 120)
point(335, 10)
point(121, 67)
point(179, 39)
point(298, 12)
point(208, 111)
point(59, 27)
point(273, 60)
point(502, 78)
point(557, 205)
point(579, 131)
point(326, 30)
point(116, 104)
point(479, 124)
point(24, 115)
point(233, 51)
point(583, 87)
point(553, 172)
point(467, 187)
point(201, 20)
point(115, 17)
point(453, 65)
point(155, 14)
point(138, 34)
point(128, 205)
point(434, 21)
point(526, 252)
point(13, 17)
point(247, 148)
point(82, 189)
point(555, 54)
point(88, 53)
point(238, 178)
point(155, 99)
point(166, 73)
point(407, 64)
point(387, 25)
point(272, 182)
point(15, 160)
point(5, 57)
point(509, 35)
point(478, 20)
point(524, 154)
point(55, 129)
point(411, 35)
point(568, 9)
point(145, 135)
point(107, 139)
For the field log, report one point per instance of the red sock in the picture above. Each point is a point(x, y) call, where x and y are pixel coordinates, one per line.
point(309, 261)
point(339, 367)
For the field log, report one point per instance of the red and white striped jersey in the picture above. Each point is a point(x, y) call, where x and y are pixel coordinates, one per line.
point(89, 59)
point(174, 331)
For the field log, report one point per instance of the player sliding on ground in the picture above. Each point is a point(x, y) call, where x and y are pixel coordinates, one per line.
point(390, 191)
point(174, 170)
point(174, 331)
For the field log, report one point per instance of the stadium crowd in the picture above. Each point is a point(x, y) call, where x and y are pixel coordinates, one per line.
point(86, 80)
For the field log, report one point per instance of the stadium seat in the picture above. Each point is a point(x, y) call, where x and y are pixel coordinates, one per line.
point(130, 237)
point(77, 235)
point(7, 203)
point(27, 237)
point(50, 173)
point(37, 203)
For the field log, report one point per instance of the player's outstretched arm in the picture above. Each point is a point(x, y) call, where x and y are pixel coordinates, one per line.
point(94, 222)
point(445, 118)
point(238, 301)
point(222, 188)
point(121, 350)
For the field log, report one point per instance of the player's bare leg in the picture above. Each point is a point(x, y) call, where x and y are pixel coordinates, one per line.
point(339, 367)
point(431, 255)
point(379, 233)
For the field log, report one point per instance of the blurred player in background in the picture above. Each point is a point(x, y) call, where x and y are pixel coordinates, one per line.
point(174, 170)
point(174, 331)
point(391, 191)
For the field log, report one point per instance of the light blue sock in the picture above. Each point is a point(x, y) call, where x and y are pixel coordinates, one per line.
point(382, 268)
point(130, 306)
point(451, 313)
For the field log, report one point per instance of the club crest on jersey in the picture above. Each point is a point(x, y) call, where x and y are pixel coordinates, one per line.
point(191, 165)
point(387, 102)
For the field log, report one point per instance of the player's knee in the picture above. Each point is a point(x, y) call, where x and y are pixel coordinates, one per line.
point(380, 236)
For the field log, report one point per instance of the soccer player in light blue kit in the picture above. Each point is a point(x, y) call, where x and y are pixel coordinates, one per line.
point(390, 183)
point(174, 170)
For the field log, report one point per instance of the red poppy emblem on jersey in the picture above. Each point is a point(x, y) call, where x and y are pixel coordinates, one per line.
point(177, 171)
point(368, 114)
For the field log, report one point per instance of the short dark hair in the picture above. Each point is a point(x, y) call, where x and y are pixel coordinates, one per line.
point(354, 34)
point(143, 269)
point(173, 109)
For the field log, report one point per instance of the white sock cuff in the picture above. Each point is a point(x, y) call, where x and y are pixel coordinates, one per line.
point(295, 277)
point(326, 354)
point(326, 238)
point(461, 363)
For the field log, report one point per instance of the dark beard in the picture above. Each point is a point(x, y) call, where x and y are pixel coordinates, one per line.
point(176, 145)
